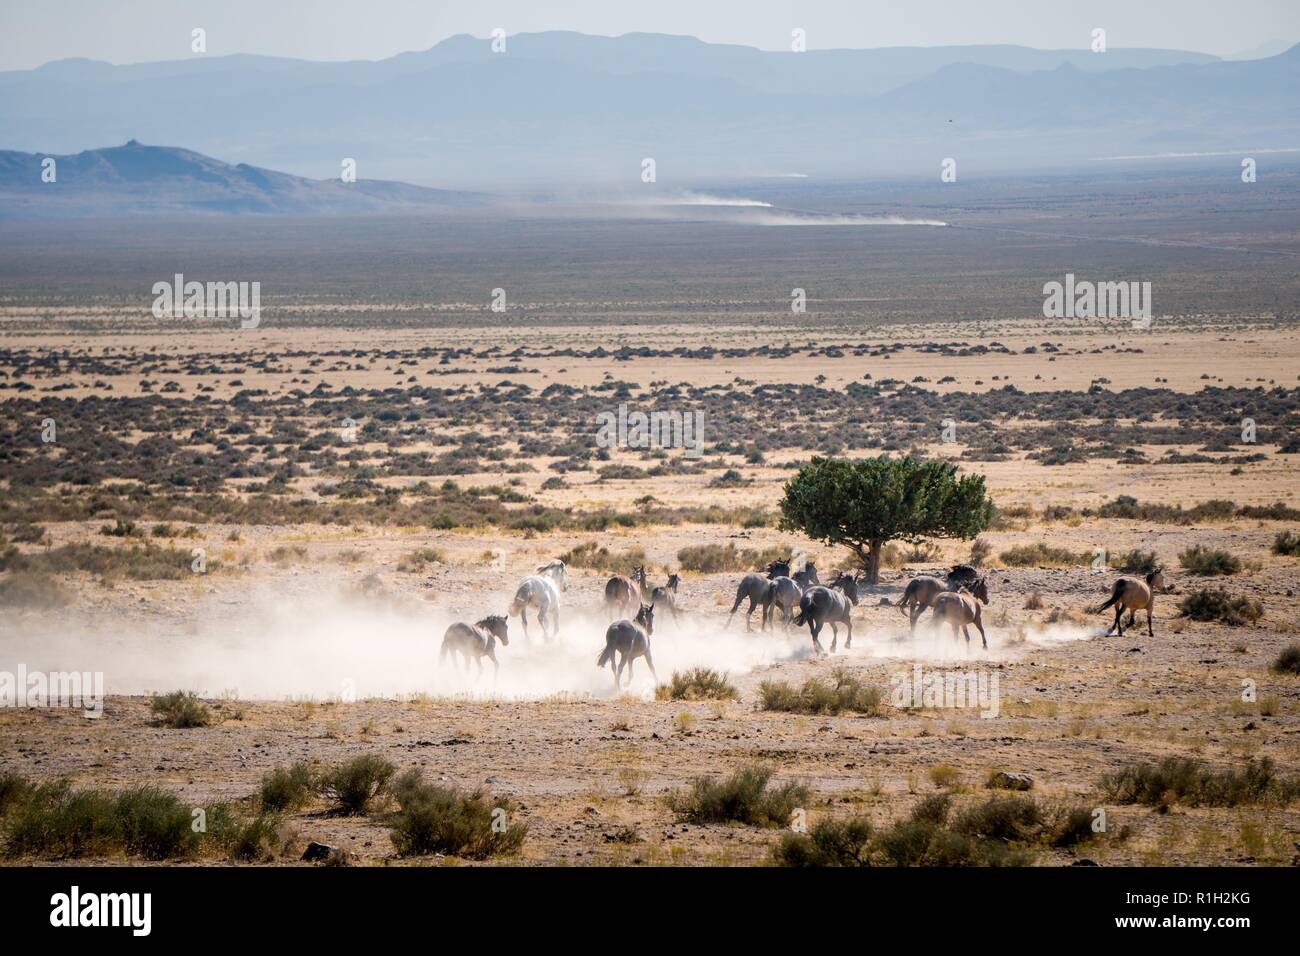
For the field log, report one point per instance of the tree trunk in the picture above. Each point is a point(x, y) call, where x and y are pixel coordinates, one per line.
point(873, 563)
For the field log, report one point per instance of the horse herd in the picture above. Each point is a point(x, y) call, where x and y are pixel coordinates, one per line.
point(632, 604)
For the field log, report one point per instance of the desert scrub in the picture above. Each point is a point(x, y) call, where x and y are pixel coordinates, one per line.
point(1041, 555)
point(413, 562)
point(844, 693)
point(1000, 831)
point(353, 785)
point(599, 558)
point(1209, 562)
point(712, 558)
point(1137, 561)
point(1232, 609)
point(697, 684)
point(1195, 783)
point(56, 820)
point(432, 819)
point(1287, 660)
point(1287, 543)
point(287, 788)
point(743, 797)
point(180, 709)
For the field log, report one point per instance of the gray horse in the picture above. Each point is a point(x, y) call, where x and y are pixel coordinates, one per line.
point(831, 605)
point(542, 592)
point(665, 598)
point(805, 577)
point(786, 593)
point(759, 591)
point(475, 642)
point(629, 640)
point(922, 591)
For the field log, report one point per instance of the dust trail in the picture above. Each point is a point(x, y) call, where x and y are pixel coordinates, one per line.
point(340, 646)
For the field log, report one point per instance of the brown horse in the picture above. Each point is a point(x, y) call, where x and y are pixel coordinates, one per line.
point(1132, 595)
point(628, 640)
point(959, 609)
point(922, 591)
point(622, 596)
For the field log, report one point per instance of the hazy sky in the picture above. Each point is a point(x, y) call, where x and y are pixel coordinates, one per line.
point(33, 32)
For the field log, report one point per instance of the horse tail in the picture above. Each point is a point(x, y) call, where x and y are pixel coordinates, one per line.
point(1116, 591)
point(801, 615)
point(607, 655)
point(906, 600)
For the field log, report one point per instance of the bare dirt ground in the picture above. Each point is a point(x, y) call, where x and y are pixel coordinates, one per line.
point(318, 642)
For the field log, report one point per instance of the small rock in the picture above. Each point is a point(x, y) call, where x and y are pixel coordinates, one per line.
point(1010, 780)
point(316, 852)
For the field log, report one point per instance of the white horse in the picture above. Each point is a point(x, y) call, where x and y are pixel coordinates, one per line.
point(541, 591)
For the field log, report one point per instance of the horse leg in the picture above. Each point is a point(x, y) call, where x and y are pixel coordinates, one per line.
point(649, 662)
point(815, 626)
point(915, 612)
point(848, 641)
point(523, 619)
point(618, 674)
point(630, 661)
point(835, 635)
point(1151, 605)
point(1118, 626)
point(979, 623)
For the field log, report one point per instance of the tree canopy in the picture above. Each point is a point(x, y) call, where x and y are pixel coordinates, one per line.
point(862, 503)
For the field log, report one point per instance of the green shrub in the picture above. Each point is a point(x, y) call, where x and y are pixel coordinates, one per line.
point(434, 819)
point(155, 825)
point(741, 798)
point(1193, 782)
point(1040, 554)
point(1287, 543)
point(846, 693)
point(287, 788)
point(1287, 662)
point(1209, 561)
point(827, 843)
point(1138, 561)
point(712, 558)
point(181, 709)
point(1234, 610)
point(599, 558)
point(697, 684)
point(354, 784)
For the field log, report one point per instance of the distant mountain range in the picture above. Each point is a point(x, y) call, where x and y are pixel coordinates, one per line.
point(569, 110)
point(136, 179)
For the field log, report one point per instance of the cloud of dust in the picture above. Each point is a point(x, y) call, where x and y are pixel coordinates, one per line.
point(351, 646)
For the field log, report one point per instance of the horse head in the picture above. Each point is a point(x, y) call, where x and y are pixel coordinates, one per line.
point(495, 624)
point(556, 571)
point(778, 569)
point(646, 618)
point(673, 581)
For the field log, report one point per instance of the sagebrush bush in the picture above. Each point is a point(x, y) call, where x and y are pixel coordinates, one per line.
point(1286, 662)
point(1287, 543)
point(1209, 562)
point(827, 843)
point(354, 784)
point(699, 683)
point(433, 819)
point(1234, 610)
point(816, 696)
point(1138, 561)
point(712, 558)
point(1041, 554)
point(287, 788)
point(743, 797)
point(1193, 782)
point(180, 709)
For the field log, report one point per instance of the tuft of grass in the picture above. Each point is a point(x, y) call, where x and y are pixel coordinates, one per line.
point(1286, 662)
point(413, 562)
point(1195, 783)
point(287, 788)
point(599, 558)
point(944, 775)
point(1234, 610)
point(434, 819)
point(1209, 562)
point(353, 785)
point(743, 797)
point(699, 683)
point(181, 709)
point(712, 558)
point(816, 696)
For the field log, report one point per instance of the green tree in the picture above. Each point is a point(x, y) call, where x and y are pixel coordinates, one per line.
point(864, 503)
